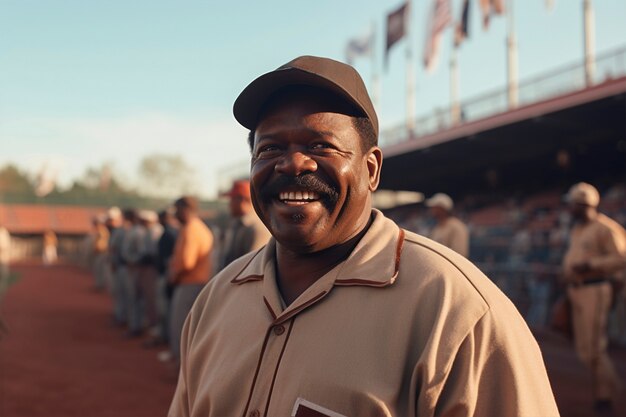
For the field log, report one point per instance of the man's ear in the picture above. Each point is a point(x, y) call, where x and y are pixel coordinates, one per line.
point(374, 165)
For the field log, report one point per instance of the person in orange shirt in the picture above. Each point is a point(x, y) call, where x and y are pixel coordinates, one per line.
point(190, 267)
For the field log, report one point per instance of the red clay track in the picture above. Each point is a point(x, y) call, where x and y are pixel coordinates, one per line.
point(63, 358)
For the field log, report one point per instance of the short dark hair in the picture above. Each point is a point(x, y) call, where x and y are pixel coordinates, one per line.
point(362, 124)
point(187, 201)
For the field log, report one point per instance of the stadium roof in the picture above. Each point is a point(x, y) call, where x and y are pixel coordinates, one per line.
point(573, 136)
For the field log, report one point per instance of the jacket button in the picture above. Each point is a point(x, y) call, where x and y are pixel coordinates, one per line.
point(279, 329)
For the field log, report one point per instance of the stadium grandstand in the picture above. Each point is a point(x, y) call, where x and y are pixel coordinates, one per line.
point(507, 169)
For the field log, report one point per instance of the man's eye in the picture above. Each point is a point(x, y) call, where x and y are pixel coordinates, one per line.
point(319, 146)
point(267, 149)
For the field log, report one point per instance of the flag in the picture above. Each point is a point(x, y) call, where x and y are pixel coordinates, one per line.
point(461, 30)
point(396, 26)
point(361, 46)
point(489, 7)
point(438, 21)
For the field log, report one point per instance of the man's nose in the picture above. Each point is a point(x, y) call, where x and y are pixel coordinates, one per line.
point(295, 163)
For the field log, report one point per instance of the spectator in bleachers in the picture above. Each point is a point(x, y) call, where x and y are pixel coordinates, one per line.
point(50, 242)
point(595, 254)
point(521, 245)
point(450, 231)
point(246, 232)
point(190, 267)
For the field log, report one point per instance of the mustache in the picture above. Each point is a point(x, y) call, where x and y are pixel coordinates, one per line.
point(328, 193)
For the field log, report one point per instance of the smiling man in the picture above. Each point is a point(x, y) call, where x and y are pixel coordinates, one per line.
point(343, 313)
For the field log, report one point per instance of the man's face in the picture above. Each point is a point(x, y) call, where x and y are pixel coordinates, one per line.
point(578, 211)
point(310, 178)
point(438, 212)
point(181, 213)
point(239, 205)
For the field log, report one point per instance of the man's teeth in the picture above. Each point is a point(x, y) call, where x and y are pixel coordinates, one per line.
point(298, 195)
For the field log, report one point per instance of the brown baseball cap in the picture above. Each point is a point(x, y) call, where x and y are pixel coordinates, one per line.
point(335, 76)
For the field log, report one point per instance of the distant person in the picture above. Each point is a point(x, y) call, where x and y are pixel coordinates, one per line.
point(101, 236)
point(595, 255)
point(132, 252)
point(147, 271)
point(164, 289)
point(343, 313)
point(246, 232)
point(50, 243)
point(449, 230)
point(190, 267)
point(119, 224)
point(112, 221)
point(5, 253)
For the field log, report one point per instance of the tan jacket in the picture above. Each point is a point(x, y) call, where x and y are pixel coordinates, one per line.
point(403, 327)
point(602, 243)
point(453, 234)
point(191, 260)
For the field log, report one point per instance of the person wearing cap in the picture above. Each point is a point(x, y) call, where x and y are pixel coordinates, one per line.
point(100, 247)
point(343, 313)
point(147, 271)
point(120, 224)
point(190, 266)
point(246, 232)
point(450, 231)
point(132, 252)
point(595, 254)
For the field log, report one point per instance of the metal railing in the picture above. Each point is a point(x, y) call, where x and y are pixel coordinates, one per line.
point(571, 78)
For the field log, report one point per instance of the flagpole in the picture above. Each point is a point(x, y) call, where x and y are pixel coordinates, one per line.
point(589, 23)
point(410, 78)
point(511, 58)
point(454, 86)
point(375, 79)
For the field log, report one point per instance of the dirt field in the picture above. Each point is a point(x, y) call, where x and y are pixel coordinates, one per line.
point(64, 358)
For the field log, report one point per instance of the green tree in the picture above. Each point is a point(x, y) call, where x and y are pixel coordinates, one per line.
point(15, 185)
point(166, 176)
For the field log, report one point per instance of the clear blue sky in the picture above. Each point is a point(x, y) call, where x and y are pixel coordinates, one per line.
point(84, 82)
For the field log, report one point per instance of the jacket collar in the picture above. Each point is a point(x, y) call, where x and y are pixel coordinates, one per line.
point(374, 262)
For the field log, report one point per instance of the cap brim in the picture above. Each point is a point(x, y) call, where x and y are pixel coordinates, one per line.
point(251, 100)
